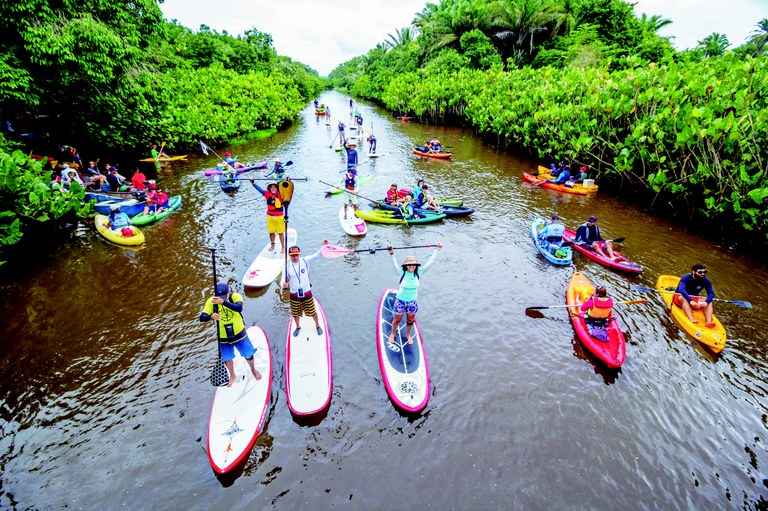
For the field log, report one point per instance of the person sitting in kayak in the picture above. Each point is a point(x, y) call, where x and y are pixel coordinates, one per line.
point(552, 234)
point(409, 211)
point(588, 234)
point(114, 182)
point(393, 198)
point(581, 176)
point(422, 199)
point(351, 154)
point(226, 307)
point(688, 289)
point(435, 145)
point(278, 169)
point(405, 302)
point(561, 178)
point(156, 199)
point(117, 219)
point(232, 162)
point(598, 309)
point(425, 148)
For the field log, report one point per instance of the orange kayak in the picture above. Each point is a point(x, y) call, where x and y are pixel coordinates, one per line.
point(442, 156)
point(541, 180)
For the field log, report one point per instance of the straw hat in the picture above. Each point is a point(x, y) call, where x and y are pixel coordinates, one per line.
point(410, 260)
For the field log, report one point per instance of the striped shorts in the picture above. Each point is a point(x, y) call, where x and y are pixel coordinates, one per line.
point(305, 305)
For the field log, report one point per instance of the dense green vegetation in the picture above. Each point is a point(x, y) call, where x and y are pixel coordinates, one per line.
point(116, 77)
point(590, 82)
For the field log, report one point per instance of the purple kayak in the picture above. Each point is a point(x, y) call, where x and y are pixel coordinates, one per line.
point(248, 166)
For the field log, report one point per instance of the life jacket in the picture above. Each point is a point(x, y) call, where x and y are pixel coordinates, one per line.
point(602, 308)
point(586, 233)
point(274, 203)
point(349, 183)
point(391, 196)
point(555, 230)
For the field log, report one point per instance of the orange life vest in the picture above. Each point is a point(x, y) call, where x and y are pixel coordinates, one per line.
point(602, 308)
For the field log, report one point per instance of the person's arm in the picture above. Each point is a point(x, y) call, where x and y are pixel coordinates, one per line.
point(398, 269)
point(581, 234)
point(207, 311)
point(431, 260)
point(681, 287)
point(587, 305)
point(260, 189)
point(710, 290)
point(235, 306)
point(312, 257)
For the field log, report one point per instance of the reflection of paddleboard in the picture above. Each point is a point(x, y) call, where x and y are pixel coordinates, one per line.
point(352, 225)
point(308, 365)
point(268, 265)
point(403, 365)
point(238, 412)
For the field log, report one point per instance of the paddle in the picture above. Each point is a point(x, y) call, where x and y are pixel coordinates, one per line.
point(345, 190)
point(219, 374)
point(160, 152)
point(287, 164)
point(333, 251)
point(369, 160)
point(588, 243)
point(669, 290)
point(286, 193)
point(220, 177)
point(334, 139)
point(542, 307)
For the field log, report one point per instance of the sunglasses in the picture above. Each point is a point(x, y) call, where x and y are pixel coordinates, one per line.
point(701, 272)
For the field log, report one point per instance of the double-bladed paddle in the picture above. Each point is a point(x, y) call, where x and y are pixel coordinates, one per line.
point(333, 251)
point(543, 307)
point(671, 290)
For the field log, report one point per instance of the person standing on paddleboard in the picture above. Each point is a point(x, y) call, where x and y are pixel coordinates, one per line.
point(300, 287)
point(342, 136)
point(405, 303)
point(351, 155)
point(226, 308)
point(350, 186)
point(275, 214)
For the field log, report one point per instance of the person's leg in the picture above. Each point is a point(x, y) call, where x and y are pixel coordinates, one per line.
point(246, 350)
point(231, 368)
point(271, 241)
point(687, 309)
point(708, 310)
point(282, 242)
point(609, 249)
point(597, 248)
point(409, 319)
point(395, 321)
point(345, 211)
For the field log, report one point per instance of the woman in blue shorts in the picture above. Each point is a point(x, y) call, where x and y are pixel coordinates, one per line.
point(405, 303)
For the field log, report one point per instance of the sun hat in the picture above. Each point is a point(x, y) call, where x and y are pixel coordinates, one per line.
point(410, 260)
point(270, 185)
point(154, 145)
point(592, 218)
point(221, 290)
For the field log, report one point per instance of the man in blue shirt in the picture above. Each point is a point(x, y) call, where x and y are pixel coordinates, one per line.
point(688, 289)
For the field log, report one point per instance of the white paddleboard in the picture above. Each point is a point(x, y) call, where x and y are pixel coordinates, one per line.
point(268, 265)
point(373, 155)
point(308, 365)
point(238, 412)
point(352, 225)
point(403, 366)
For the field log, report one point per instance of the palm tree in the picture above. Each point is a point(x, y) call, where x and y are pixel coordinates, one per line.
point(714, 45)
point(760, 39)
point(652, 24)
point(402, 37)
point(519, 21)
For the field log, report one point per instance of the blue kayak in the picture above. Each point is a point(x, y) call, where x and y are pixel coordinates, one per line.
point(229, 186)
point(561, 256)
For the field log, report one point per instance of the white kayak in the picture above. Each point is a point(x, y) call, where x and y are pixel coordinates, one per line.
point(352, 225)
point(238, 412)
point(403, 366)
point(268, 265)
point(308, 365)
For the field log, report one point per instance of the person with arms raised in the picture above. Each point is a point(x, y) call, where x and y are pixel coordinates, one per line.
point(227, 308)
point(688, 289)
point(275, 214)
point(300, 287)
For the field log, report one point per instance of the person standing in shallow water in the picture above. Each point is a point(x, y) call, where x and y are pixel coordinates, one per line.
point(405, 302)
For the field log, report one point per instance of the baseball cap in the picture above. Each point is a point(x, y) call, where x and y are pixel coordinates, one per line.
point(592, 218)
point(222, 290)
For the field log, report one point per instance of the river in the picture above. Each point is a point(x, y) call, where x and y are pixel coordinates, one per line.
point(105, 393)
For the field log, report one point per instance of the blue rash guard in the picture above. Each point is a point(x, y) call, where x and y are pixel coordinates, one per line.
point(351, 156)
point(587, 234)
point(690, 286)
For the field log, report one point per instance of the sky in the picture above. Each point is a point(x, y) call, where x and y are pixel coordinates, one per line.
point(326, 33)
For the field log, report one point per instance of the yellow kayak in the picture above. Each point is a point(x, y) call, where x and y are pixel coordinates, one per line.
point(169, 158)
point(116, 236)
point(713, 338)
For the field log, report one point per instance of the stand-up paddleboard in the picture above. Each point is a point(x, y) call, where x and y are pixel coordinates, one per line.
point(403, 366)
point(352, 225)
point(308, 365)
point(374, 155)
point(268, 265)
point(238, 412)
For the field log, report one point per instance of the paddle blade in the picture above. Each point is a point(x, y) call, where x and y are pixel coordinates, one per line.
point(738, 303)
point(286, 190)
point(333, 252)
point(533, 313)
point(219, 374)
point(618, 240)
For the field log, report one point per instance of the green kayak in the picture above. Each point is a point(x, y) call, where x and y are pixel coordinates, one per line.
point(340, 189)
point(174, 203)
point(378, 216)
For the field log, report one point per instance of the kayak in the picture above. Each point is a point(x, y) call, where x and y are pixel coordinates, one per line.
point(622, 264)
point(563, 256)
point(611, 351)
point(441, 156)
point(164, 158)
point(360, 180)
point(352, 225)
point(403, 366)
point(379, 216)
point(229, 186)
point(130, 207)
point(219, 169)
point(308, 365)
point(268, 265)
point(714, 338)
point(238, 412)
point(152, 216)
point(448, 211)
point(402, 192)
point(116, 236)
point(541, 180)
point(340, 148)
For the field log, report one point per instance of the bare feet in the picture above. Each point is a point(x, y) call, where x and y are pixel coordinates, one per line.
point(391, 339)
point(282, 251)
point(231, 380)
point(694, 321)
point(710, 325)
point(256, 374)
point(271, 247)
point(410, 340)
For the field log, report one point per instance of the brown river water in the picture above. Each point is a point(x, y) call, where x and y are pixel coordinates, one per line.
point(105, 393)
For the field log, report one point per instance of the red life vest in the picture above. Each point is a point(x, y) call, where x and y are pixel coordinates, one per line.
point(274, 203)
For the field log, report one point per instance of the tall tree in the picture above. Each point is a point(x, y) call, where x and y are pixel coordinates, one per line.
point(714, 45)
point(760, 37)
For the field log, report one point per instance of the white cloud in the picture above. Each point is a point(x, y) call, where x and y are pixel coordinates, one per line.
point(326, 33)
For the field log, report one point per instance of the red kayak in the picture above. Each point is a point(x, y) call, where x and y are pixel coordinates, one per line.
point(613, 349)
point(441, 156)
point(621, 264)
